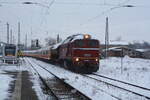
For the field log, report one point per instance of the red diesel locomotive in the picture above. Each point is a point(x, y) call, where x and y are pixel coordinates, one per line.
point(79, 53)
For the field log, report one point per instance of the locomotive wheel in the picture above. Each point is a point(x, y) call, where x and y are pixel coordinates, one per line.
point(67, 64)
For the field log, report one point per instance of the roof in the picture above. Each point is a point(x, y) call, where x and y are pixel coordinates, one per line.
point(118, 43)
point(143, 50)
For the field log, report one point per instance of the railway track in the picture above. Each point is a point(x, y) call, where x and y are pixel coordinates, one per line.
point(110, 87)
point(139, 91)
point(137, 86)
point(57, 87)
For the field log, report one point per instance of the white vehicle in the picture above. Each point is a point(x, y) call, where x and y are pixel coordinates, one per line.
point(10, 54)
point(1, 52)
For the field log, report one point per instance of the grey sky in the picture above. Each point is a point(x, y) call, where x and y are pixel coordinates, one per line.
point(66, 17)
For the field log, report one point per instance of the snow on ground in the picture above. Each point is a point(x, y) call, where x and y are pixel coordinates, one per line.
point(108, 67)
point(75, 80)
point(6, 78)
point(36, 83)
point(4, 85)
point(133, 70)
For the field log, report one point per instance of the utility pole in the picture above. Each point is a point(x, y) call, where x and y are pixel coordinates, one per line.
point(7, 33)
point(106, 38)
point(18, 33)
point(11, 36)
point(13, 39)
point(58, 38)
point(26, 41)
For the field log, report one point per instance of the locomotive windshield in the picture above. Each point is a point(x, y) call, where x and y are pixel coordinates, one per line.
point(79, 43)
point(93, 43)
point(10, 51)
point(87, 43)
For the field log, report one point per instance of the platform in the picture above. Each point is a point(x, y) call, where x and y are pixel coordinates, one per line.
point(16, 85)
point(23, 88)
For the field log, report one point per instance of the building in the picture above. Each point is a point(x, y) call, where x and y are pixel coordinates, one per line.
point(120, 49)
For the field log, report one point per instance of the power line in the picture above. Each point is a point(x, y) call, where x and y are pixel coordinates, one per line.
point(47, 12)
point(85, 3)
point(50, 5)
point(109, 10)
point(9, 2)
point(124, 2)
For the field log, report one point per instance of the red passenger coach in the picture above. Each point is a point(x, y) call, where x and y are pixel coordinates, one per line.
point(80, 53)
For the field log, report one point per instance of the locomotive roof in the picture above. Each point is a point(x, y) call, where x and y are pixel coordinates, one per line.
point(74, 37)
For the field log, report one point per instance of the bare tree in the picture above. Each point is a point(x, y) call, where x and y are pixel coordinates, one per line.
point(50, 41)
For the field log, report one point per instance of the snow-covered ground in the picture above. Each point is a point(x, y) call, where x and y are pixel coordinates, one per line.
point(5, 80)
point(4, 85)
point(132, 70)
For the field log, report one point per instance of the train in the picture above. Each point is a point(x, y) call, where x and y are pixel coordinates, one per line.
point(78, 53)
point(9, 53)
point(1, 53)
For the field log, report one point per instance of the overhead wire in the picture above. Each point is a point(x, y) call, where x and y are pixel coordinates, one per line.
point(83, 4)
point(104, 12)
point(43, 17)
point(50, 4)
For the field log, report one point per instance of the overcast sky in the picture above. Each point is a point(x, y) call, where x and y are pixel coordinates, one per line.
point(66, 17)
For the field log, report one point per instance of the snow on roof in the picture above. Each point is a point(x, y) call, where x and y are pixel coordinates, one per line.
point(118, 43)
point(142, 50)
point(115, 48)
point(75, 37)
point(56, 45)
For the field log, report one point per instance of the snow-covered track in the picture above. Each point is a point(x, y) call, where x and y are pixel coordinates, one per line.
point(123, 82)
point(43, 81)
point(142, 92)
point(59, 89)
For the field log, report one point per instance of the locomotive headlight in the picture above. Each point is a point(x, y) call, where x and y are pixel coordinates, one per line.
point(87, 36)
point(77, 59)
point(96, 59)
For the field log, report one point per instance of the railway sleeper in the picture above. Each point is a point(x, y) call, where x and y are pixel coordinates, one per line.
point(57, 86)
point(63, 91)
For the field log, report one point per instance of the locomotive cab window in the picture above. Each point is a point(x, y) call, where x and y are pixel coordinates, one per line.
point(79, 43)
point(93, 43)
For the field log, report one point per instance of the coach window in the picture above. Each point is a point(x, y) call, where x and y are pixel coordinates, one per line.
point(46, 52)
